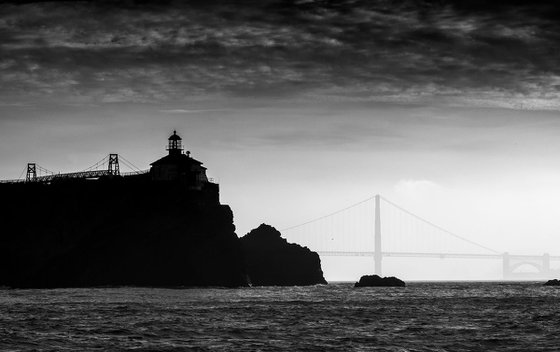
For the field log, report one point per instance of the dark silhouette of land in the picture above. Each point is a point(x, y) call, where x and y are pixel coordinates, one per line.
point(553, 282)
point(272, 261)
point(116, 231)
point(162, 228)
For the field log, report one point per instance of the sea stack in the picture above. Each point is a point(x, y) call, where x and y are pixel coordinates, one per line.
point(377, 281)
point(272, 261)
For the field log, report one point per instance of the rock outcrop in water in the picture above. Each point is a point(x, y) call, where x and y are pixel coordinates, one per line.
point(272, 261)
point(377, 281)
point(554, 282)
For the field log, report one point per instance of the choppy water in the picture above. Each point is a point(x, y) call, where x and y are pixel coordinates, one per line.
point(420, 317)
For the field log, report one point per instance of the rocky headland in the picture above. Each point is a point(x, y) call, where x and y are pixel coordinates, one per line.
point(377, 281)
point(161, 227)
point(272, 261)
point(116, 231)
point(554, 282)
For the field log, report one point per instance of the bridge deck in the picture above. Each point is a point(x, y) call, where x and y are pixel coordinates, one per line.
point(434, 255)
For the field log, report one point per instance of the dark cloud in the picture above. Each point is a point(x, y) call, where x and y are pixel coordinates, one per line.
point(460, 52)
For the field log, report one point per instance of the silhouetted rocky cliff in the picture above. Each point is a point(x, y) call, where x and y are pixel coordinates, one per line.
point(272, 261)
point(116, 231)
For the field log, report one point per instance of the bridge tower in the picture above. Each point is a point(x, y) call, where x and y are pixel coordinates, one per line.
point(506, 271)
point(540, 263)
point(377, 254)
point(113, 167)
point(31, 172)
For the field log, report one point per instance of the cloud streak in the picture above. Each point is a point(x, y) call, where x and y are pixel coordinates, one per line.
point(399, 52)
point(192, 111)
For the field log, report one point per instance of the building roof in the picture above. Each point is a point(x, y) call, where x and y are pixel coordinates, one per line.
point(176, 159)
point(174, 137)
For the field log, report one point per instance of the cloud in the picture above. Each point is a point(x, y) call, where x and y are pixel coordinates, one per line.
point(407, 52)
point(192, 111)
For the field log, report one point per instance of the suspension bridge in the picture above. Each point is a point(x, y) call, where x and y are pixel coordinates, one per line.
point(109, 166)
point(380, 229)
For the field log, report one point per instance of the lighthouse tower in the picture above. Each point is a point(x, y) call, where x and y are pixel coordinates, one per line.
point(181, 168)
point(175, 145)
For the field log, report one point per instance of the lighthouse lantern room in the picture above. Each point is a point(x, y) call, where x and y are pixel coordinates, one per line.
point(179, 167)
point(174, 146)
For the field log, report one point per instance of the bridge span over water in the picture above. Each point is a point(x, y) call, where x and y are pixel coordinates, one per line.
point(360, 231)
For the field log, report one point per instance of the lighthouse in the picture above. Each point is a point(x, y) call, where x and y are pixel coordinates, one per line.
point(179, 167)
point(175, 145)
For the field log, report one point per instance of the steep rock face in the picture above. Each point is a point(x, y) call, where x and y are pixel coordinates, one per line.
point(272, 261)
point(116, 232)
point(378, 281)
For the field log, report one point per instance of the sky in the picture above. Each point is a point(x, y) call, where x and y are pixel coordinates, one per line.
point(300, 108)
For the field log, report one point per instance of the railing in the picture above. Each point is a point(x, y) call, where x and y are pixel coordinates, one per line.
point(81, 174)
point(20, 180)
point(134, 173)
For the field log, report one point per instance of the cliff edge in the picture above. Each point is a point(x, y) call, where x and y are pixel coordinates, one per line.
point(116, 231)
point(272, 261)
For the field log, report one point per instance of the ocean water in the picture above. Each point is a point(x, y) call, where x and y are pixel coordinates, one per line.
point(467, 316)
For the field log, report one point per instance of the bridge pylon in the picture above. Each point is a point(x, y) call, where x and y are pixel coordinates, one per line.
point(540, 263)
point(378, 254)
point(31, 172)
point(113, 166)
point(506, 272)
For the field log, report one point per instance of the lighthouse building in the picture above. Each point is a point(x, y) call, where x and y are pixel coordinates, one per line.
point(180, 167)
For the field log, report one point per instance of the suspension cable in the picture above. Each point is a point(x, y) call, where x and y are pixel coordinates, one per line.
point(132, 168)
point(328, 215)
point(129, 163)
point(22, 172)
point(438, 227)
point(97, 164)
point(40, 168)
